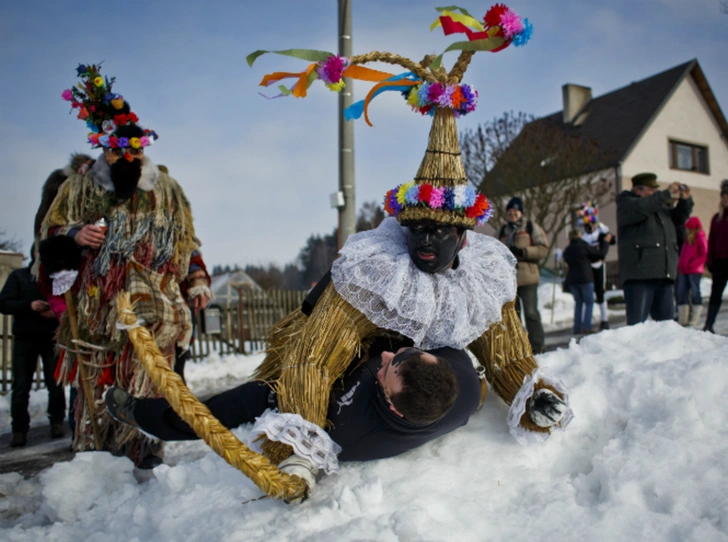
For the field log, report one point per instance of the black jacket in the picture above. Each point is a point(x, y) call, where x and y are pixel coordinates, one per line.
point(579, 255)
point(647, 240)
point(19, 292)
point(366, 429)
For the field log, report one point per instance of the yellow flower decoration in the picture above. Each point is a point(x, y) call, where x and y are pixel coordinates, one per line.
point(412, 99)
point(99, 81)
point(118, 103)
point(402, 191)
point(336, 87)
point(135, 142)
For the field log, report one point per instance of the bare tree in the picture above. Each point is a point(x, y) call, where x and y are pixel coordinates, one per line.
point(9, 245)
point(553, 169)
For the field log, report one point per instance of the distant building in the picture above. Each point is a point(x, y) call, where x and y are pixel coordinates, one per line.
point(9, 261)
point(670, 124)
point(225, 286)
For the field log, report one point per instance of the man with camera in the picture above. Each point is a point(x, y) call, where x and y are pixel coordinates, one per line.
point(647, 218)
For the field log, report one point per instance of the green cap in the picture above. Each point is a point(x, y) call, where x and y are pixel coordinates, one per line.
point(645, 179)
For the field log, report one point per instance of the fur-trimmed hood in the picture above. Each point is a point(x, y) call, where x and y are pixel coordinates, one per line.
point(101, 174)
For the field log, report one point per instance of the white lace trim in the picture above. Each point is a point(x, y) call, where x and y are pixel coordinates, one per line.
point(375, 274)
point(307, 439)
point(518, 407)
point(63, 280)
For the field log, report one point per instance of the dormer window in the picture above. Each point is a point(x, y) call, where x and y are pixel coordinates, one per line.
point(688, 157)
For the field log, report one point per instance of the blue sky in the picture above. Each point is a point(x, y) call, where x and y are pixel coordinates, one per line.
point(259, 173)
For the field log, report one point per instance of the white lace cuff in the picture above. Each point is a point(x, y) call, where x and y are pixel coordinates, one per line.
point(307, 439)
point(63, 280)
point(518, 407)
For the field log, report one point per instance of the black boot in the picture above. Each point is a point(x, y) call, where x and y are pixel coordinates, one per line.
point(710, 319)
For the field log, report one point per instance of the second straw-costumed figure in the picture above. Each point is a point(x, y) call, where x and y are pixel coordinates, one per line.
point(422, 277)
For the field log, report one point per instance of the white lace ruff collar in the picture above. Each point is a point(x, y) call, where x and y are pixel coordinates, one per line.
point(452, 308)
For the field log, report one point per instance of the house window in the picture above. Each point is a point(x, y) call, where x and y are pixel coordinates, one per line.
point(688, 157)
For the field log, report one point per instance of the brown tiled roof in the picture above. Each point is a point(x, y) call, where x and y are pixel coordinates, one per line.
point(616, 120)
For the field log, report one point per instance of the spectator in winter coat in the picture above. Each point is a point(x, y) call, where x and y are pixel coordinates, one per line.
point(34, 326)
point(717, 260)
point(647, 243)
point(528, 243)
point(691, 266)
point(579, 256)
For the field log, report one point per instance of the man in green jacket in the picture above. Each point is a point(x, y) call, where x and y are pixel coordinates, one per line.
point(647, 218)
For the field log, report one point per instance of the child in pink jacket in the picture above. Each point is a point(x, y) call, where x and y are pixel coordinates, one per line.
point(691, 266)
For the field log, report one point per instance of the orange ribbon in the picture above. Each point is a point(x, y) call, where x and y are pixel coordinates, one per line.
point(400, 83)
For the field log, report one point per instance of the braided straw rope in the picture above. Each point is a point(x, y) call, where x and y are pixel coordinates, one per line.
point(506, 354)
point(411, 65)
point(262, 472)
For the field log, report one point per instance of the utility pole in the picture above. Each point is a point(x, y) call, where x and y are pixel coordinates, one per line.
point(347, 210)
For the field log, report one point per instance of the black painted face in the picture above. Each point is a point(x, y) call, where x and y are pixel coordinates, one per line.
point(433, 246)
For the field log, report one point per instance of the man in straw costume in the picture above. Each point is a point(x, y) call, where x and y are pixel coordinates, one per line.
point(422, 277)
point(134, 225)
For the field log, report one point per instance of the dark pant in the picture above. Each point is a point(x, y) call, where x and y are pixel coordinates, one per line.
point(232, 408)
point(25, 360)
point(645, 298)
point(720, 279)
point(584, 305)
point(599, 284)
point(688, 289)
point(528, 297)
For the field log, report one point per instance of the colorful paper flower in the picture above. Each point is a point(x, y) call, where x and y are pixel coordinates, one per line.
point(83, 113)
point(412, 197)
point(437, 198)
point(117, 103)
point(135, 143)
point(425, 193)
point(123, 142)
point(331, 70)
point(104, 141)
point(67, 95)
point(121, 120)
point(494, 15)
point(113, 142)
point(91, 126)
point(81, 70)
point(133, 118)
point(522, 38)
point(511, 24)
point(99, 81)
point(144, 141)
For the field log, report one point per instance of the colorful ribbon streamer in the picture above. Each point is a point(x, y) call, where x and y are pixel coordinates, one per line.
point(401, 83)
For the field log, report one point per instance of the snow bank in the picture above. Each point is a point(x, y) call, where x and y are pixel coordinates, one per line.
point(646, 458)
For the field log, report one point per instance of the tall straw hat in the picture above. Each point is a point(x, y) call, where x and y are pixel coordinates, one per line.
point(439, 191)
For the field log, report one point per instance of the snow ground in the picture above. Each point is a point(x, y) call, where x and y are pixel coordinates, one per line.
point(646, 458)
point(557, 307)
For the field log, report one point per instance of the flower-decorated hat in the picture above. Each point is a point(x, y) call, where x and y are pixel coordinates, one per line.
point(103, 111)
point(589, 213)
point(439, 191)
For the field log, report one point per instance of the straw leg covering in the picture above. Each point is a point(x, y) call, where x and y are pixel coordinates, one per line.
point(256, 467)
point(506, 354)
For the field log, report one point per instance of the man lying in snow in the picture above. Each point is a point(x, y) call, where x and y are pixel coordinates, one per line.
point(384, 406)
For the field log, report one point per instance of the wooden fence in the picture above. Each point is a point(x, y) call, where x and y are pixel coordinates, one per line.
point(239, 327)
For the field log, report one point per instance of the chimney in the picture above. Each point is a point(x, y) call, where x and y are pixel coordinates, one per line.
point(575, 98)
